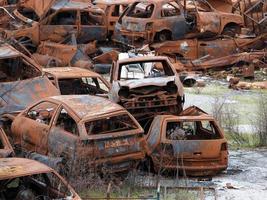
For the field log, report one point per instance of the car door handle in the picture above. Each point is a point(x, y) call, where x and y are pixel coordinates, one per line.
point(197, 153)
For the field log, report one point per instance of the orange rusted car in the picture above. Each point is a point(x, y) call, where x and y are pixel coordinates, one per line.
point(150, 21)
point(113, 10)
point(6, 149)
point(80, 128)
point(146, 86)
point(28, 179)
point(21, 82)
point(200, 50)
point(74, 80)
point(36, 21)
point(191, 143)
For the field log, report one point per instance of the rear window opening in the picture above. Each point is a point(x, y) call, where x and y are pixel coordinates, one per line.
point(110, 125)
point(85, 85)
point(15, 69)
point(192, 130)
point(141, 10)
point(146, 69)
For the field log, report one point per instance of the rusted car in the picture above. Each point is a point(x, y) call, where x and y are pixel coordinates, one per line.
point(146, 86)
point(189, 50)
point(191, 144)
point(80, 129)
point(6, 149)
point(21, 83)
point(28, 179)
point(113, 10)
point(35, 21)
point(73, 80)
point(150, 21)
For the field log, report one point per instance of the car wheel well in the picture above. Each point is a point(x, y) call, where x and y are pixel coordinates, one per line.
point(163, 35)
point(231, 29)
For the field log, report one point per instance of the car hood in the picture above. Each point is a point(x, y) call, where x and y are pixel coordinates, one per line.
point(156, 81)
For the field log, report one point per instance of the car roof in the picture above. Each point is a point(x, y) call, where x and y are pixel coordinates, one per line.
point(190, 113)
point(71, 4)
point(18, 167)
point(142, 59)
point(70, 72)
point(114, 2)
point(88, 106)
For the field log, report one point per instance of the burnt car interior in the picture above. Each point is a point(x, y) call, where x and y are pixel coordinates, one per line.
point(110, 124)
point(14, 69)
point(28, 13)
point(1, 144)
point(67, 123)
point(86, 85)
point(39, 187)
point(42, 113)
point(170, 9)
point(141, 10)
point(192, 130)
point(144, 69)
point(64, 18)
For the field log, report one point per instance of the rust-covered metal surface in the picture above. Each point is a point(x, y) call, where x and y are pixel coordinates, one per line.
point(113, 10)
point(17, 95)
point(82, 127)
point(64, 18)
point(191, 144)
point(6, 149)
point(73, 80)
point(150, 21)
point(146, 86)
point(192, 49)
point(16, 66)
point(28, 176)
point(20, 81)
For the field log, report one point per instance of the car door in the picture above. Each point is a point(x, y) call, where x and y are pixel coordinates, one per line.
point(64, 135)
point(32, 127)
point(208, 20)
point(92, 26)
point(59, 26)
point(171, 18)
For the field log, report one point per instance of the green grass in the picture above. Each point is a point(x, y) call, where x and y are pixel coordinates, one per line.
point(248, 141)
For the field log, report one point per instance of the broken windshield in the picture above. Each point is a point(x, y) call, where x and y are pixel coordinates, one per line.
point(122, 122)
point(145, 69)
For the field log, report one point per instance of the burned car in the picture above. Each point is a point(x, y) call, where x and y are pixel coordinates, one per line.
point(74, 80)
point(191, 143)
point(207, 49)
point(35, 21)
point(113, 10)
point(80, 129)
point(21, 82)
point(22, 178)
point(6, 149)
point(146, 86)
point(150, 21)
